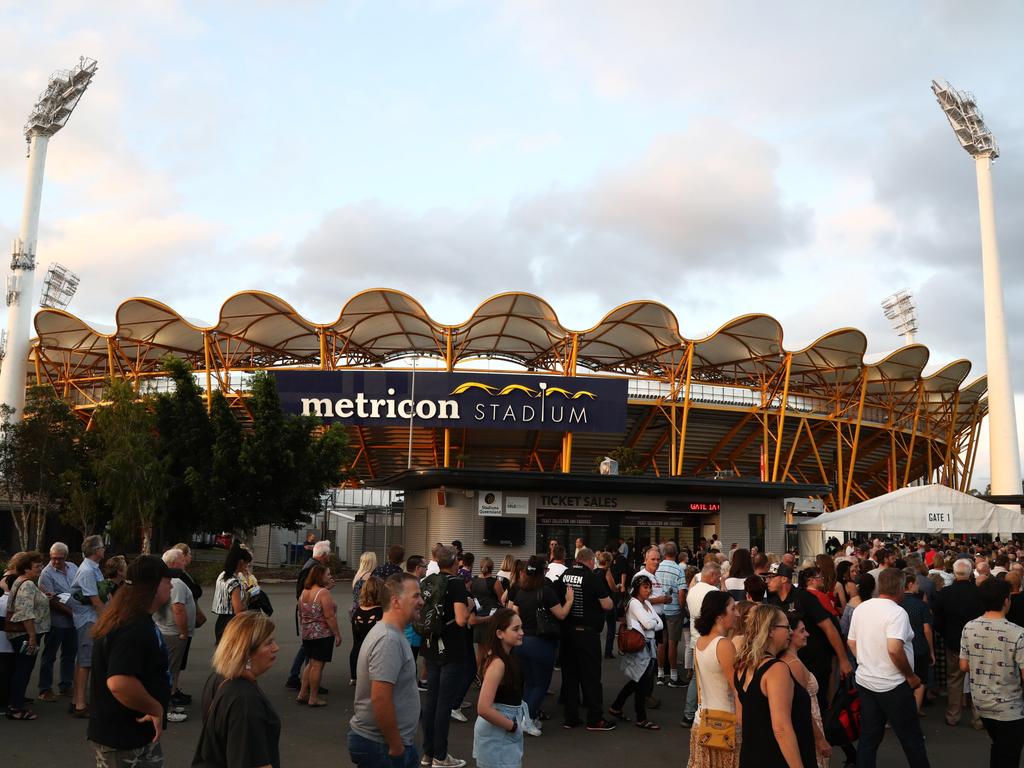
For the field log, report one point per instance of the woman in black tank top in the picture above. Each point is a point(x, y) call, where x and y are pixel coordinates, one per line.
point(788, 740)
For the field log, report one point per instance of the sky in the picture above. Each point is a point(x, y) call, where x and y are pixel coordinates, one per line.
point(722, 158)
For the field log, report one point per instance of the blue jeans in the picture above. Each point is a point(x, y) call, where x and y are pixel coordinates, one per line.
point(897, 707)
point(537, 658)
point(64, 639)
point(373, 754)
point(690, 707)
point(444, 686)
point(295, 674)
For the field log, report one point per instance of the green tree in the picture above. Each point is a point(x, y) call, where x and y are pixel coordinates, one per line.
point(133, 476)
point(37, 452)
point(226, 507)
point(287, 461)
point(186, 441)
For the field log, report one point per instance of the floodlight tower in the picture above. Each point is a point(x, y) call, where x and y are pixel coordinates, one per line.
point(969, 126)
point(902, 313)
point(49, 115)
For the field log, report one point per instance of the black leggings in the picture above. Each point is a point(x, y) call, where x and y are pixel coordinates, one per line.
point(640, 689)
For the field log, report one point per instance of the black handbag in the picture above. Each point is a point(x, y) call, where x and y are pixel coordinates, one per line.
point(842, 720)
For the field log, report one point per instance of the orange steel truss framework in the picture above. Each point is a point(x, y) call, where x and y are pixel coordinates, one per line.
point(735, 402)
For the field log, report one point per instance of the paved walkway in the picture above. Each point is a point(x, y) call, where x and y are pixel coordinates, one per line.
point(317, 736)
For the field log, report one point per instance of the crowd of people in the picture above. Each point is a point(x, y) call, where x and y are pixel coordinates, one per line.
point(771, 650)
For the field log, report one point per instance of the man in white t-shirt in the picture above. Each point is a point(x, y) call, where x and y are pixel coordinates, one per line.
point(557, 565)
point(881, 639)
point(710, 580)
point(432, 566)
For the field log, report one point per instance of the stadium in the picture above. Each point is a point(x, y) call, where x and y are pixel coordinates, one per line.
point(712, 434)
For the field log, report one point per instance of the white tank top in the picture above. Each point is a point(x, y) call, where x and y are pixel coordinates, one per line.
point(714, 688)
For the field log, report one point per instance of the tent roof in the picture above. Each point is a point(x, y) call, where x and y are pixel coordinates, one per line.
point(916, 509)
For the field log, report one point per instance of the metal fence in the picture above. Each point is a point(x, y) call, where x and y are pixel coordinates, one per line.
point(374, 529)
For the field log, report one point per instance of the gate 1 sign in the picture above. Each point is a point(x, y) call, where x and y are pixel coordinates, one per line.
point(457, 400)
point(938, 518)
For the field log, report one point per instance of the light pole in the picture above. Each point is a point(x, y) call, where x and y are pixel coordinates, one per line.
point(969, 126)
point(902, 313)
point(48, 116)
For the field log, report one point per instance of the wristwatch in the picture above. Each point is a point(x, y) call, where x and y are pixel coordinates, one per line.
point(515, 726)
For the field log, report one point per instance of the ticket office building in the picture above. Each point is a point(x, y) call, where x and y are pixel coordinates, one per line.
point(494, 513)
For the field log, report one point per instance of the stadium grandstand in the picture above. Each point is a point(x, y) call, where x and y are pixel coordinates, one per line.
point(738, 403)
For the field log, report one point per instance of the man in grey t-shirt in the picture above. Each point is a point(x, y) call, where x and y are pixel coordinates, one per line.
point(387, 702)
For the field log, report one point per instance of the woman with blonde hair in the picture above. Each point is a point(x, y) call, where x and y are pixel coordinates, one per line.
point(318, 627)
point(504, 574)
point(240, 726)
point(776, 721)
point(367, 565)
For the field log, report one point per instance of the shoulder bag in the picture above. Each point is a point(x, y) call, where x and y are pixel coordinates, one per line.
point(630, 640)
point(547, 624)
point(13, 627)
point(717, 729)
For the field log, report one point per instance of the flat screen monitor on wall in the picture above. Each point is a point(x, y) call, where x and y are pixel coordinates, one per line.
point(506, 531)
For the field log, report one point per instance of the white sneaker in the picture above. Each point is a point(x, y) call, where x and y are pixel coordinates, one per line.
point(426, 760)
point(177, 717)
point(457, 715)
point(530, 727)
point(449, 762)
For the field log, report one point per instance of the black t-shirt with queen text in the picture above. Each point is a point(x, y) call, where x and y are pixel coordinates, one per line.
point(588, 589)
point(134, 650)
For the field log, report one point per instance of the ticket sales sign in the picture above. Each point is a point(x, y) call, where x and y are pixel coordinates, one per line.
point(456, 400)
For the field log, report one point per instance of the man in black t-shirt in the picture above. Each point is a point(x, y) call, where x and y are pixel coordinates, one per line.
point(130, 684)
point(823, 639)
point(581, 641)
point(446, 660)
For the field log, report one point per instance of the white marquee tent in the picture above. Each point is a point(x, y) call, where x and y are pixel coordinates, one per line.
point(919, 509)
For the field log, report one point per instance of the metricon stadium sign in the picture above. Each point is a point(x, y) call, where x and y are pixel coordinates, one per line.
point(456, 400)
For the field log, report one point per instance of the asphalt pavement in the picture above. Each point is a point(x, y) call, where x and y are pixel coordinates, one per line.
point(317, 736)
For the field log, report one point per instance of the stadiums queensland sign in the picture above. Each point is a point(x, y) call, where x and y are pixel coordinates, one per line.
point(456, 400)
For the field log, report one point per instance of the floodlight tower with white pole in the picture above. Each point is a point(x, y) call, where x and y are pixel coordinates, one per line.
point(902, 313)
point(49, 115)
point(969, 126)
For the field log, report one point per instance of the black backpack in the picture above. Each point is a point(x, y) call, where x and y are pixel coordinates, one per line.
point(432, 616)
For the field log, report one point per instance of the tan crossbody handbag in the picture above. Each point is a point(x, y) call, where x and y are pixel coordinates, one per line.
point(717, 729)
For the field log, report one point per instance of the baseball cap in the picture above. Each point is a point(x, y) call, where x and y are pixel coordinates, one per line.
point(780, 569)
point(146, 570)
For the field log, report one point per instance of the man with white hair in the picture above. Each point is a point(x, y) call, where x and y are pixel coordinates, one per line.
point(954, 606)
point(87, 606)
point(321, 554)
point(176, 620)
point(55, 582)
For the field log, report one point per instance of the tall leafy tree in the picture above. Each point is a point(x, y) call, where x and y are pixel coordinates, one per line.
point(227, 509)
point(287, 461)
point(37, 452)
point(132, 473)
point(186, 442)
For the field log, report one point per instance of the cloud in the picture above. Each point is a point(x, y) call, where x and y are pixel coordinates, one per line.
point(699, 201)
